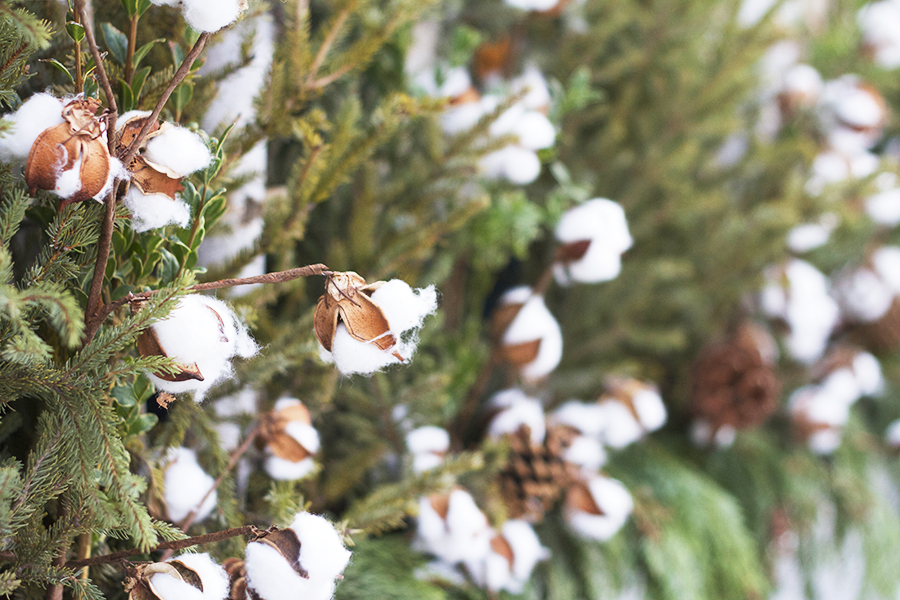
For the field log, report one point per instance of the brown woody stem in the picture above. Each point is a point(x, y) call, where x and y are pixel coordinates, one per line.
point(198, 540)
point(277, 277)
point(232, 461)
point(103, 246)
point(101, 70)
point(179, 76)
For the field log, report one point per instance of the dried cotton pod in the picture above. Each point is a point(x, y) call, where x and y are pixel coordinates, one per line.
point(526, 333)
point(597, 508)
point(289, 439)
point(71, 159)
point(187, 577)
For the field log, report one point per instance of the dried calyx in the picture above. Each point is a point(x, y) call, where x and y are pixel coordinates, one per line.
point(274, 435)
point(143, 587)
point(148, 176)
point(347, 300)
point(71, 159)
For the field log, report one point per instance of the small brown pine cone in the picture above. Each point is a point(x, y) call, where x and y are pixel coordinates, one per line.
point(734, 382)
point(535, 476)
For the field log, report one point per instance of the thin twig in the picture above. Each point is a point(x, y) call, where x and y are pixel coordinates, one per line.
point(103, 246)
point(232, 461)
point(197, 540)
point(101, 70)
point(325, 47)
point(277, 277)
point(179, 76)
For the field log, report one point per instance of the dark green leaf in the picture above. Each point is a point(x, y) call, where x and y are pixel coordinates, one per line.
point(116, 42)
point(75, 31)
point(59, 66)
point(141, 52)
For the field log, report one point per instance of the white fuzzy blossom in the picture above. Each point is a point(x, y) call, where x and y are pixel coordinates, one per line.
point(879, 23)
point(799, 294)
point(207, 15)
point(201, 331)
point(602, 511)
point(213, 580)
point(322, 557)
point(883, 207)
point(405, 310)
point(852, 114)
point(533, 322)
point(185, 485)
point(892, 434)
point(627, 420)
point(428, 445)
point(600, 223)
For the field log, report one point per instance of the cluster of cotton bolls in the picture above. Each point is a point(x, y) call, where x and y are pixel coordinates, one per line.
point(525, 122)
point(819, 411)
point(207, 15)
point(242, 224)
point(879, 23)
point(452, 528)
point(291, 442)
point(201, 335)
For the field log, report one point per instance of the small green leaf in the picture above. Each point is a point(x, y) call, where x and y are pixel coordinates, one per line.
point(177, 54)
point(121, 292)
point(59, 66)
point(142, 424)
point(116, 42)
point(143, 5)
point(130, 7)
point(182, 95)
point(214, 209)
point(75, 31)
point(169, 266)
point(141, 52)
point(124, 395)
point(126, 96)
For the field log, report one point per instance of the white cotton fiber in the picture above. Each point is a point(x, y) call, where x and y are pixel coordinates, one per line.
point(884, 207)
point(463, 535)
point(603, 223)
point(535, 131)
point(621, 427)
point(521, 166)
point(210, 15)
point(522, 411)
point(526, 547)
point(152, 211)
point(404, 307)
point(179, 150)
point(194, 334)
point(36, 114)
point(586, 452)
point(322, 552)
point(69, 181)
point(867, 371)
point(165, 2)
point(242, 402)
point(825, 441)
point(352, 356)
point(539, 5)
point(229, 435)
point(886, 262)
point(864, 295)
point(534, 322)
point(613, 498)
point(808, 236)
point(213, 576)
point(167, 587)
point(286, 470)
point(305, 435)
point(270, 575)
point(185, 484)
point(461, 117)
point(892, 434)
point(650, 409)
point(532, 81)
point(428, 439)
point(587, 418)
point(117, 171)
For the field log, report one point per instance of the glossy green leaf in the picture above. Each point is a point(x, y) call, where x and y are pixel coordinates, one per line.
point(116, 42)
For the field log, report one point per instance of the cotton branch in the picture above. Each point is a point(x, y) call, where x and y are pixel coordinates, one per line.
point(104, 78)
point(198, 540)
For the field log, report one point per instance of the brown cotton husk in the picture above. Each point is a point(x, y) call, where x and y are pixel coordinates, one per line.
point(502, 547)
point(521, 354)
point(580, 498)
point(129, 130)
point(572, 251)
point(142, 588)
point(148, 345)
point(60, 147)
point(151, 180)
point(287, 544)
point(492, 58)
point(272, 432)
point(346, 300)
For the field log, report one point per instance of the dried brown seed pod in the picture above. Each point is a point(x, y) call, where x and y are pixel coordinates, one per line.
point(347, 300)
point(272, 432)
point(77, 143)
point(151, 180)
point(141, 583)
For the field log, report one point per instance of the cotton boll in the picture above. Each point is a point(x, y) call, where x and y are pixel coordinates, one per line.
point(167, 587)
point(520, 165)
point(211, 15)
point(534, 322)
point(880, 24)
point(457, 82)
point(535, 131)
point(601, 222)
point(404, 307)
point(808, 236)
point(892, 434)
point(526, 547)
point(165, 2)
point(598, 509)
point(867, 370)
point(179, 150)
point(186, 483)
point(532, 81)
point(152, 211)
point(286, 470)
point(38, 113)
point(212, 575)
point(462, 533)
point(650, 409)
point(229, 435)
point(535, 5)
point(825, 441)
point(522, 411)
point(841, 387)
point(352, 356)
point(461, 117)
point(587, 418)
point(116, 171)
point(322, 553)
point(884, 207)
point(269, 574)
point(864, 295)
point(69, 182)
point(240, 403)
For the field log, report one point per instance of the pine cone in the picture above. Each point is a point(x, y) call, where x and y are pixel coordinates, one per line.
point(536, 475)
point(734, 383)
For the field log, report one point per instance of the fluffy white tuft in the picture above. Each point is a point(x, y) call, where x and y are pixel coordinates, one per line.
point(650, 409)
point(229, 435)
point(152, 211)
point(534, 84)
point(213, 576)
point(886, 262)
point(588, 418)
point(179, 150)
point(463, 535)
point(36, 114)
point(186, 483)
point(621, 427)
point(167, 587)
point(517, 410)
point(539, 5)
point(867, 371)
point(193, 334)
point(586, 452)
point(210, 15)
point(322, 552)
point(270, 575)
point(526, 547)
point(892, 434)
point(404, 307)
point(428, 439)
point(864, 295)
point(613, 498)
point(603, 223)
point(285, 470)
point(534, 322)
point(69, 182)
point(242, 402)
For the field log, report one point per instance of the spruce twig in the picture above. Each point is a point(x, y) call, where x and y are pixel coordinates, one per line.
point(198, 540)
point(311, 82)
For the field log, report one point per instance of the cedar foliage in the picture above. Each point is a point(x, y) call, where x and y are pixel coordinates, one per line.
point(645, 94)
